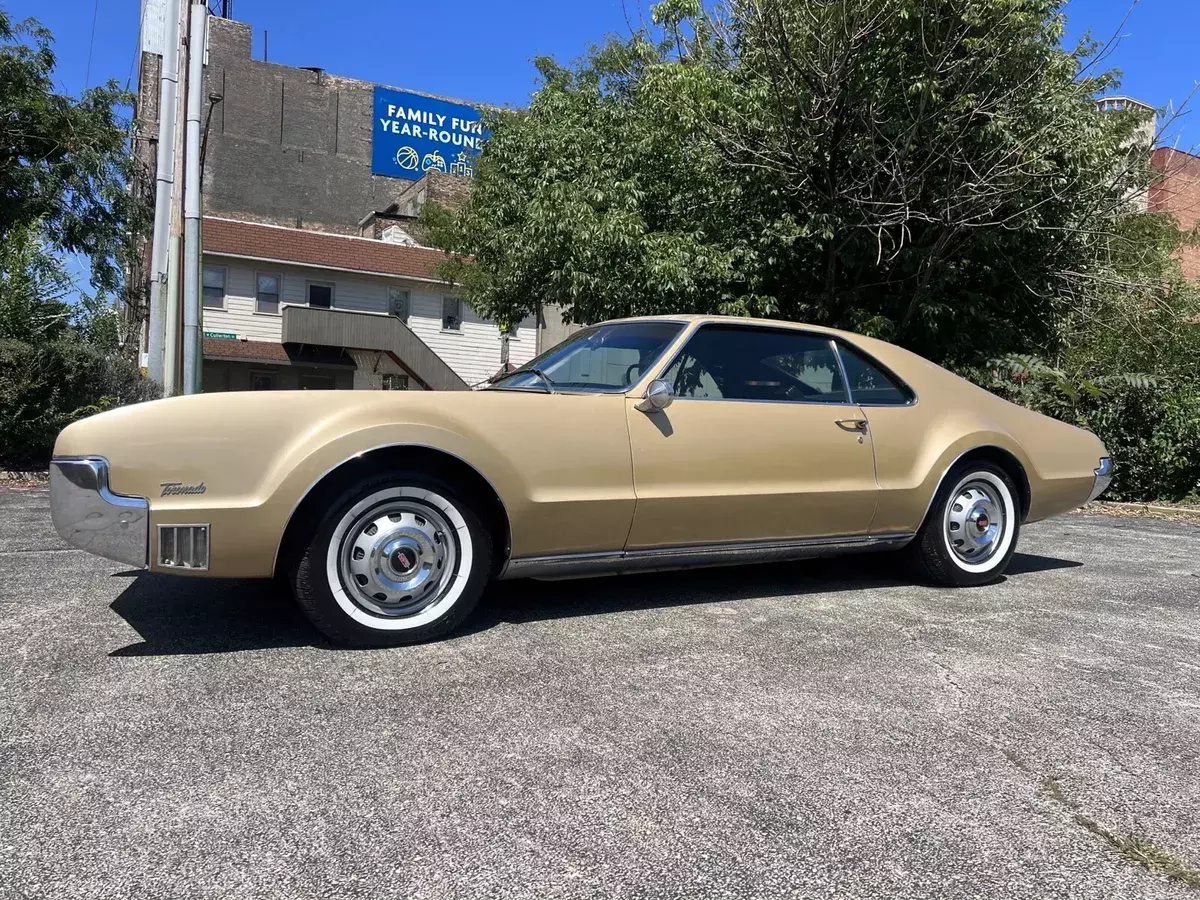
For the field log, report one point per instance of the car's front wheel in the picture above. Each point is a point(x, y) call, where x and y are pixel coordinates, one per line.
point(398, 559)
point(970, 532)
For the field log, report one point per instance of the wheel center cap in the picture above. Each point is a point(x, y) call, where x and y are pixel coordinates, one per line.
point(403, 558)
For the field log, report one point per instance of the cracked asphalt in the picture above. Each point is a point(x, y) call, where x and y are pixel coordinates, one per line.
point(823, 729)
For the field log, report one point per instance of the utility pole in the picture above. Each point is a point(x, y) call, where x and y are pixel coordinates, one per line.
point(171, 368)
point(191, 200)
point(164, 191)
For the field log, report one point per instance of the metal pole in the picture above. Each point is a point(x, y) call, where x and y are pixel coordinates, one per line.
point(191, 199)
point(168, 86)
point(171, 342)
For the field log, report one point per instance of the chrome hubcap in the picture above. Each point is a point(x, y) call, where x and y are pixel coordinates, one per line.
point(975, 521)
point(397, 558)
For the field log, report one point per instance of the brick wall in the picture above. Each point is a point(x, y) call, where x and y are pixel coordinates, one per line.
point(1176, 190)
point(289, 146)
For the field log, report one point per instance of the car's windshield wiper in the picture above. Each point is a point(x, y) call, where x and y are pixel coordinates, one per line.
point(542, 375)
point(547, 385)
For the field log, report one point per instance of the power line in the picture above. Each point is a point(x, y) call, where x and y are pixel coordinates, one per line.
point(137, 47)
point(87, 75)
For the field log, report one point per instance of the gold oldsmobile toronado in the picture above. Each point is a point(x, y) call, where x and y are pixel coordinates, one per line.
point(635, 445)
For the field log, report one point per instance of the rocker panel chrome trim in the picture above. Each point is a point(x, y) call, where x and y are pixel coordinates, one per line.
point(585, 565)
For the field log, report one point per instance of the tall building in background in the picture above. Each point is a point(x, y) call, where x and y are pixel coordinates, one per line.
point(1174, 176)
point(1176, 190)
point(315, 274)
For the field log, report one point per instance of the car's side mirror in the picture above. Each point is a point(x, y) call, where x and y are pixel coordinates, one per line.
point(658, 397)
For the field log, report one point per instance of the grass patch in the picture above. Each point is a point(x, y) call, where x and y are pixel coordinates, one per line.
point(1132, 848)
point(1144, 852)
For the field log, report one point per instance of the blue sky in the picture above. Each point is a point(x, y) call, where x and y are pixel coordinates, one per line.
point(482, 49)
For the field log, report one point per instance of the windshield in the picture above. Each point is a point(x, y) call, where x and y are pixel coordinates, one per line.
point(601, 359)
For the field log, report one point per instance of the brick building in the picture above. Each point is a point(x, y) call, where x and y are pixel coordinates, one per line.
point(314, 270)
point(1176, 190)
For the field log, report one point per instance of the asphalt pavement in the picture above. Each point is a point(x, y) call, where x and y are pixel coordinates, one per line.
point(825, 729)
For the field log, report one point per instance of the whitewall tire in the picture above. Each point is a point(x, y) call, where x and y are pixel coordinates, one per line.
point(398, 559)
point(971, 530)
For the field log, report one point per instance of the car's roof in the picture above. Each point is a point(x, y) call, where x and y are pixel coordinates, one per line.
point(688, 318)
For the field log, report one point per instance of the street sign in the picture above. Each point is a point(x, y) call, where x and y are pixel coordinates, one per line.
point(221, 335)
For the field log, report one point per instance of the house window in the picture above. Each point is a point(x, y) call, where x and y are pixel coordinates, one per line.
point(320, 294)
point(394, 381)
point(266, 297)
point(317, 383)
point(451, 314)
point(214, 287)
point(262, 381)
point(398, 303)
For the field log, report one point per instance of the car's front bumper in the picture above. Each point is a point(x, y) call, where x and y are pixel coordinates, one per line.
point(1104, 475)
point(88, 515)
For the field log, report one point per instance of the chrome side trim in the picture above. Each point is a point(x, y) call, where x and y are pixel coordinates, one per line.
point(837, 354)
point(582, 565)
point(88, 515)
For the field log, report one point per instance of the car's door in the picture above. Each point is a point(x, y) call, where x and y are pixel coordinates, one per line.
point(904, 435)
point(760, 443)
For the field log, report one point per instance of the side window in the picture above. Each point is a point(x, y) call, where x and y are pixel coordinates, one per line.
point(733, 362)
point(266, 298)
point(869, 385)
point(214, 287)
point(262, 381)
point(451, 314)
point(398, 303)
point(320, 294)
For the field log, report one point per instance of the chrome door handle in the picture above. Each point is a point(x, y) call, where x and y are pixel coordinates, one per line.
point(859, 425)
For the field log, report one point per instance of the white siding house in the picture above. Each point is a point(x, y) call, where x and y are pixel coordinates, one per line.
point(249, 286)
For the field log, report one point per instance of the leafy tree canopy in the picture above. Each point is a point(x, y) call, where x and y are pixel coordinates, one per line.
point(64, 171)
point(932, 172)
point(64, 165)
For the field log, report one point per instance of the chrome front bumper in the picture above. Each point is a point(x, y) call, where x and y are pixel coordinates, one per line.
point(1104, 477)
point(91, 517)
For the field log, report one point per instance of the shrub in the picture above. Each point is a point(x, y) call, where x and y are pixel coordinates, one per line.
point(1154, 438)
point(47, 385)
point(1150, 425)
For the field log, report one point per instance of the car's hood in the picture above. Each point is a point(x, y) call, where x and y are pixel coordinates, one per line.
point(244, 436)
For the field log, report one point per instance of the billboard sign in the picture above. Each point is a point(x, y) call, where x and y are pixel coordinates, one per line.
point(413, 134)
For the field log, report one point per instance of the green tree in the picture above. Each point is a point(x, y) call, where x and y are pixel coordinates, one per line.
point(64, 162)
point(933, 172)
point(65, 174)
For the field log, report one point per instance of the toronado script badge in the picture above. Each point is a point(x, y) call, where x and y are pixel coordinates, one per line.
point(170, 488)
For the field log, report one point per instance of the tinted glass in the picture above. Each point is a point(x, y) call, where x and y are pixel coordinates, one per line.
point(607, 358)
point(739, 363)
point(869, 385)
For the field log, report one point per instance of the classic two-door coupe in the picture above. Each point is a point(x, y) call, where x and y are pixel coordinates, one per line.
point(635, 445)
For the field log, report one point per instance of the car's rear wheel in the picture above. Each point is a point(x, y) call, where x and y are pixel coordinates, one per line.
point(398, 559)
point(970, 532)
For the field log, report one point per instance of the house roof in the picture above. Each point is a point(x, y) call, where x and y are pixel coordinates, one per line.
point(275, 243)
point(269, 352)
point(257, 351)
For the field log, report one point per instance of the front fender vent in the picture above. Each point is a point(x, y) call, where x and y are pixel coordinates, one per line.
point(183, 546)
